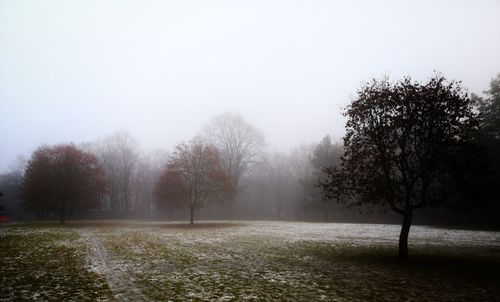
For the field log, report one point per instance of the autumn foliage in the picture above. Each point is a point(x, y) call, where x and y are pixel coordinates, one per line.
point(62, 178)
point(193, 177)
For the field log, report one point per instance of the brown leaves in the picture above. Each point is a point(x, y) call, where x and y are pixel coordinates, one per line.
point(193, 176)
point(62, 175)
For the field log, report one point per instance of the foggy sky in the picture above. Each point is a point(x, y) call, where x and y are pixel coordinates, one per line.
point(75, 71)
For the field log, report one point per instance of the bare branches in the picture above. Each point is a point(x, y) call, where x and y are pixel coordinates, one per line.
point(119, 154)
point(193, 176)
point(238, 142)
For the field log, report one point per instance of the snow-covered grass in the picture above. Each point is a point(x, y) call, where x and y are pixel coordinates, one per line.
point(46, 264)
point(227, 261)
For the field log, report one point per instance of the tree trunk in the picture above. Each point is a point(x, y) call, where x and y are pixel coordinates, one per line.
point(62, 211)
point(403, 237)
point(61, 215)
point(191, 221)
point(231, 210)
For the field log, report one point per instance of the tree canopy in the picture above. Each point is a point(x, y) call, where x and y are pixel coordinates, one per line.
point(193, 176)
point(61, 178)
point(407, 146)
point(238, 142)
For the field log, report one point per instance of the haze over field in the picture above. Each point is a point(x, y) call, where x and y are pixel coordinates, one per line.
point(250, 150)
point(78, 71)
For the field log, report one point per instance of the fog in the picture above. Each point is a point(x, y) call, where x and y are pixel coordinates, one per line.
point(228, 150)
point(77, 71)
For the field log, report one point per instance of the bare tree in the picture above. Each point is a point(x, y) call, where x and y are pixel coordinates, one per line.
point(280, 176)
point(119, 154)
point(274, 185)
point(239, 143)
point(147, 173)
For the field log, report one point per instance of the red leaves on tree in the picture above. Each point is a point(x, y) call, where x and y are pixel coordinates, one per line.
point(193, 176)
point(63, 177)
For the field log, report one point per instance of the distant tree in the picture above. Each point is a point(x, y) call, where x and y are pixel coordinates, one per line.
point(193, 176)
point(274, 187)
point(407, 146)
point(490, 109)
point(62, 178)
point(326, 154)
point(119, 154)
point(10, 184)
point(148, 170)
point(238, 143)
point(302, 170)
point(280, 182)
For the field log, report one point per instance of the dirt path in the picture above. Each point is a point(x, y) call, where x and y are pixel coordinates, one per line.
point(119, 281)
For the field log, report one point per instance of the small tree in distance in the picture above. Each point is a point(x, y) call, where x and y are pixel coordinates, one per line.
point(193, 176)
point(405, 148)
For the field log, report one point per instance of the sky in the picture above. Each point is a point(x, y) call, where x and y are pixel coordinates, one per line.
point(76, 71)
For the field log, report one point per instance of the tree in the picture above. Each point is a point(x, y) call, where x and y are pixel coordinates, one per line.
point(62, 178)
point(274, 187)
point(280, 182)
point(10, 184)
point(238, 143)
point(407, 146)
point(193, 176)
point(36, 188)
point(490, 109)
point(118, 155)
point(148, 170)
point(325, 155)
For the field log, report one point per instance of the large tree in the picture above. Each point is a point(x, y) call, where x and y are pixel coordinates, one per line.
point(238, 142)
point(407, 146)
point(61, 178)
point(193, 176)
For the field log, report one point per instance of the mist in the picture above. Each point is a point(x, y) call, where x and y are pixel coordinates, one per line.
point(190, 150)
point(78, 71)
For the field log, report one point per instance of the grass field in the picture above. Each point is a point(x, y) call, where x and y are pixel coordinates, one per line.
point(227, 261)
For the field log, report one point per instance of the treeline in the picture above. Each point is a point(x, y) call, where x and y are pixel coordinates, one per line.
point(236, 178)
point(225, 172)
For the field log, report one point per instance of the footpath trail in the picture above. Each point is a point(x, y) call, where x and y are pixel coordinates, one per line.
point(121, 284)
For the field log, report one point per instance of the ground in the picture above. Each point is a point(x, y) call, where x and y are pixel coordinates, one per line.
point(227, 261)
